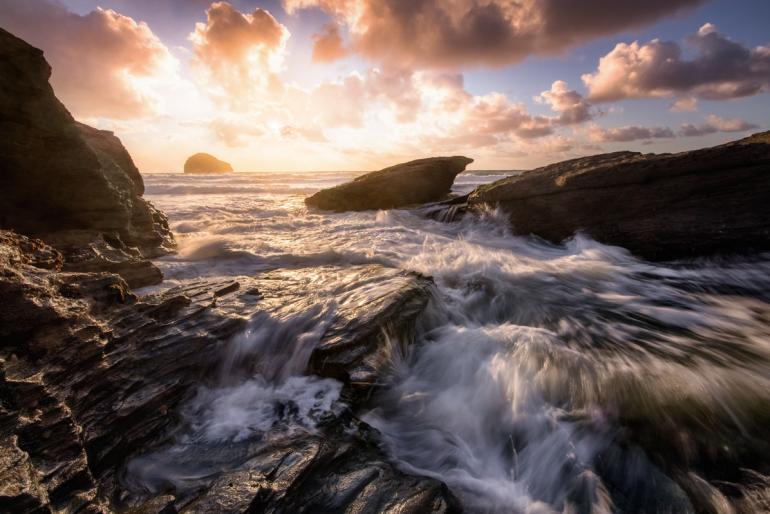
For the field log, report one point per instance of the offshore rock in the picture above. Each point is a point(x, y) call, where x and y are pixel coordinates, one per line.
point(205, 163)
point(402, 185)
point(660, 207)
point(92, 376)
point(60, 177)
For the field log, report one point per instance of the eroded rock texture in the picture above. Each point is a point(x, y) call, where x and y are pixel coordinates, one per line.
point(92, 377)
point(710, 201)
point(73, 185)
point(411, 183)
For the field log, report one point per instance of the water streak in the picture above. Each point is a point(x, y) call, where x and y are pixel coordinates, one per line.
point(548, 378)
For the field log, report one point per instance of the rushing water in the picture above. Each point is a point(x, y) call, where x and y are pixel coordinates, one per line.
point(547, 378)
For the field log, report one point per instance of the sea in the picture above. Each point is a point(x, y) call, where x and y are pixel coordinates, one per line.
point(547, 372)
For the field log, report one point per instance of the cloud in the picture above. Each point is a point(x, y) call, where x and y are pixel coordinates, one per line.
point(684, 104)
point(309, 133)
point(730, 125)
point(628, 133)
point(721, 69)
point(234, 133)
point(716, 124)
point(495, 114)
point(328, 45)
point(345, 102)
point(103, 62)
point(570, 104)
point(440, 33)
point(242, 54)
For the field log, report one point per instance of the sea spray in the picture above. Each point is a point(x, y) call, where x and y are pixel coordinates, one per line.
point(260, 392)
point(547, 378)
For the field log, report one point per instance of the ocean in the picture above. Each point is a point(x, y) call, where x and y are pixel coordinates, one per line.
point(536, 365)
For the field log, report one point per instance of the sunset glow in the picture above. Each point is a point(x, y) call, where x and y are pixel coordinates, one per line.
point(359, 84)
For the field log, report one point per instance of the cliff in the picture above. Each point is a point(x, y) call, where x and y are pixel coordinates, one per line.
point(68, 183)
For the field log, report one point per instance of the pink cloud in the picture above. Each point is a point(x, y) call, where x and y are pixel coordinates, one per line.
point(437, 33)
point(328, 45)
point(714, 124)
point(97, 58)
point(722, 69)
point(628, 133)
point(240, 52)
point(570, 104)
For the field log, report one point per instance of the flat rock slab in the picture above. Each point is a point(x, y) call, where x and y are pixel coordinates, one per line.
point(660, 207)
point(402, 185)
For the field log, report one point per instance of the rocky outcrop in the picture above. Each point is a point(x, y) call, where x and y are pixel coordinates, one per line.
point(660, 207)
point(402, 185)
point(62, 178)
point(92, 377)
point(205, 163)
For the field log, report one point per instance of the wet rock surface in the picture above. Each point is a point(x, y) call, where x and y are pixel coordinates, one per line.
point(411, 183)
point(62, 180)
point(660, 207)
point(92, 376)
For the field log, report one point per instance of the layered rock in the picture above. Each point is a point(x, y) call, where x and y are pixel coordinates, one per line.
point(92, 377)
point(62, 178)
point(205, 163)
point(660, 207)
point(402, 185)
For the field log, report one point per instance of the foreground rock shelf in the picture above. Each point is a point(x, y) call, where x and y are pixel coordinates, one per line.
point(710, 201)
point(402, 185)
point(92, 376)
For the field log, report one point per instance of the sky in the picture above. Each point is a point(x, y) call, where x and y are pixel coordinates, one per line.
point(287, 85)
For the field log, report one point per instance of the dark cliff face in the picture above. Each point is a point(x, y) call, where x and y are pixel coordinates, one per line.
point(58, 175)
point(660, 207)
point(411, 183)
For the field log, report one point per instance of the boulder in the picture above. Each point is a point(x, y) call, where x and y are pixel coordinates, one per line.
point(205, 163)
point(92, 378)
point(660, 207)
point(61, 177)
point(402, 185)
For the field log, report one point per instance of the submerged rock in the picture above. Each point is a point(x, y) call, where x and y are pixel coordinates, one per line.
point(92, 377)
point(660, 207)
point(411, 183)
point(62, 178)
point(205, 163)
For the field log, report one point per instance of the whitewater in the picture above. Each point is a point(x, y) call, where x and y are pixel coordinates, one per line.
point(545, 378)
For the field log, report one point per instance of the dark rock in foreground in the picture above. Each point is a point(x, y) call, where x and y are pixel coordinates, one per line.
point(205, 163)
point(660, 207)
point(402, 185)
point(68, 182)
point(92, 377)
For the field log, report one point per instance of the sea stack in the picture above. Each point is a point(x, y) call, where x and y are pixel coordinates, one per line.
point(402, 185)
point(206, 163)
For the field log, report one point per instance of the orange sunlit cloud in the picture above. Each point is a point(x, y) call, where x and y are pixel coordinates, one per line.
point(385, 80)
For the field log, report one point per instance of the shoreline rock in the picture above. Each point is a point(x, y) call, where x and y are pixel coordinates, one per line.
point(203, 163)
point(92, 376)
point(402, 185)
point(72, 185)
point(660, 207)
